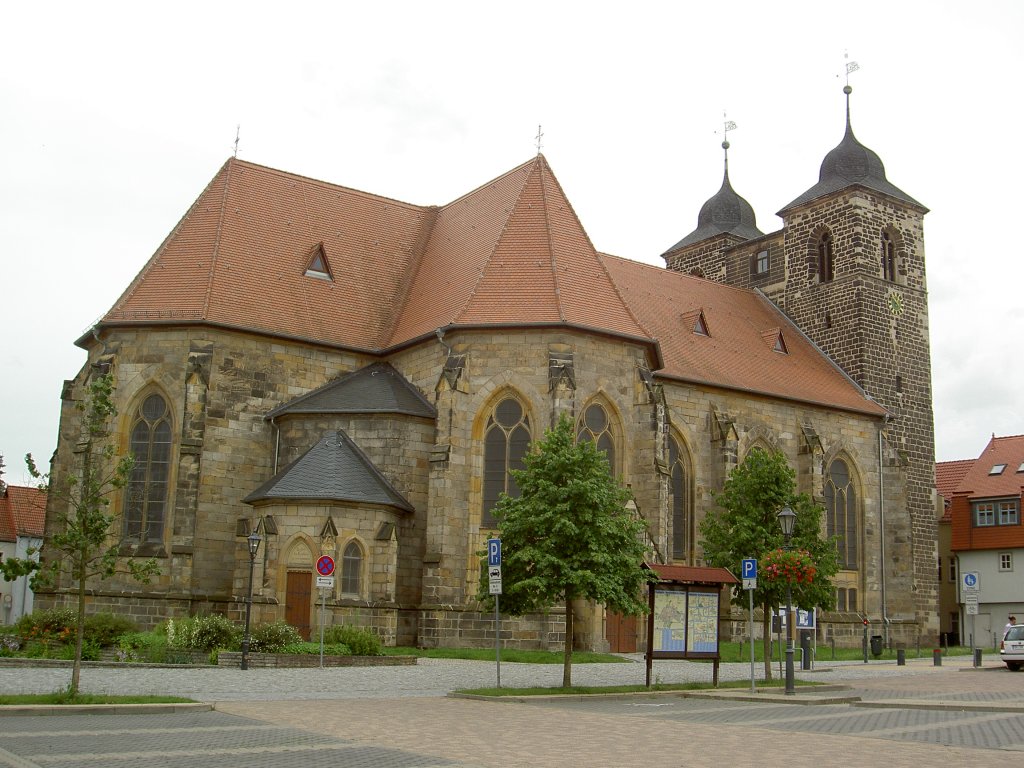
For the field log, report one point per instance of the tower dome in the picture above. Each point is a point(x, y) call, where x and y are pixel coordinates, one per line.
point(848, 164)
point(724, 213)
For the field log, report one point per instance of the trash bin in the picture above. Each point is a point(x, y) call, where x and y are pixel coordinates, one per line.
point(937, 657)
point(805, 648)
point(901, 657)
point(876, 645)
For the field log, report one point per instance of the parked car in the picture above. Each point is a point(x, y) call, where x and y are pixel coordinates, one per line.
point(1011, 649)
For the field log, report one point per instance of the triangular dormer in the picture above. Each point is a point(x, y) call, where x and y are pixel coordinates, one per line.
point(773, 338)
point(318, 266)
point(696, 322)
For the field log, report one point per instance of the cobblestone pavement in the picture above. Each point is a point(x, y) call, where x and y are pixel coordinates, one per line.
point(399, 717)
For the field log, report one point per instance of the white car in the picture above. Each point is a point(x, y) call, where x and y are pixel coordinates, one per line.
point(1011, 649)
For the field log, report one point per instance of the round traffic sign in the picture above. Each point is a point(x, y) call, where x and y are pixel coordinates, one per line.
point(325, 565)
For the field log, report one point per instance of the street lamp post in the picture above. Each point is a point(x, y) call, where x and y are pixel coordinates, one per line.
point(254, 546)
point(787, 518)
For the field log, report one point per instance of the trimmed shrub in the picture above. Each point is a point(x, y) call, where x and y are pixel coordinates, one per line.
point(313, 649)
point(362, 642)
point(105, 629)
point(146, 647)
point(202, 633)
point(271, 638)
point(52, 624)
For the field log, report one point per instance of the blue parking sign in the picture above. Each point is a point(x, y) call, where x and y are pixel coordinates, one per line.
point(493, 552)
point(749, 568)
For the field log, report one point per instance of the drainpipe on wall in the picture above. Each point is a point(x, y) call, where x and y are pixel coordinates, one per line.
point(881, 529)
point(277, 444)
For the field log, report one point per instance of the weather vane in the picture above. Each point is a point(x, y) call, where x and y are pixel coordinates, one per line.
point(238, 133)
point(851, 66)
point(538, 137)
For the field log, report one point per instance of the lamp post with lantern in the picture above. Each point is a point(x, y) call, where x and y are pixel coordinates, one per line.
point(787, 519)
point(254, 547)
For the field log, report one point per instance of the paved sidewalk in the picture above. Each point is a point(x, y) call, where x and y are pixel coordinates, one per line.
point(402, 718)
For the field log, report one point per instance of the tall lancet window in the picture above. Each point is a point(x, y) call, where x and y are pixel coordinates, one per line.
point(506, 441)
point(146, 502)
point(826, 263)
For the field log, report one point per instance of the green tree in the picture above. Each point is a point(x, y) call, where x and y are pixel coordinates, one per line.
point(82, 539)
point(567, 536)
point(748, 526)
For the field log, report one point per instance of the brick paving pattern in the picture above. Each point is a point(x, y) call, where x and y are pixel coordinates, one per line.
point(401, 718)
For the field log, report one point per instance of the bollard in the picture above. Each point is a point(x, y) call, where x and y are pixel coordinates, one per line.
point(977, 657)
point(937, 657)
point(901, 657)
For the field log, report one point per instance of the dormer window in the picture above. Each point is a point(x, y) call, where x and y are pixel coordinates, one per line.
point(997, 469)
point(774, 339)
point(826, 265)
point(317, 266)
point(697, 323)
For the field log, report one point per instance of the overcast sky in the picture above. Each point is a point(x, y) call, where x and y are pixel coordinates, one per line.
point(113, 117)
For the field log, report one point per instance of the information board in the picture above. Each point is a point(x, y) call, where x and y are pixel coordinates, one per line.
point(685, 622)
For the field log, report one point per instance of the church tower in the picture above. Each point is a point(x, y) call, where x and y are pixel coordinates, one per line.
point(855, 284)
point(848, 268)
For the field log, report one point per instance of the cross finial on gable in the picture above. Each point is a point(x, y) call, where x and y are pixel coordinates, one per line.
point(538, 137)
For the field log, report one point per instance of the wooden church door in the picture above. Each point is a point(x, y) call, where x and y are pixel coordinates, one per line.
point(297, 601)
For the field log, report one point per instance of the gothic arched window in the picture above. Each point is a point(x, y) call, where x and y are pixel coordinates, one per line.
point(596, 427)
point(841, 514)
point(888, 258)
point(826, 263)
point(679, 488)
point(352, 569)
point(506, 441)
point(147, 489)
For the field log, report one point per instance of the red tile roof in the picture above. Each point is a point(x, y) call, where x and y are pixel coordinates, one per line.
point(948, 475)
point(977, 482)
point(510, 253)
point(22, 512)
point(693, 574)
point(734, 354)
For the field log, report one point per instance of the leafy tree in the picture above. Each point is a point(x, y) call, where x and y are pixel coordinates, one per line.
point(82, 539)
point(568, 535)
point(748, 526)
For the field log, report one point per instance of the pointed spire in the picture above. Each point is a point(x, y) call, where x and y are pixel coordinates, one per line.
point(726, 212)
point(850, 163)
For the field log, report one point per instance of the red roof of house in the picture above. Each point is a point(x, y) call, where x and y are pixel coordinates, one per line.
point(511, 253)
point(22, 512)
point(980, 482)
point(948, 475)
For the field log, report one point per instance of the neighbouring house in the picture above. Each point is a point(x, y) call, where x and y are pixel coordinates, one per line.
point(948, 475)
point(345, 374)
point(22, 518)
point(987, 539)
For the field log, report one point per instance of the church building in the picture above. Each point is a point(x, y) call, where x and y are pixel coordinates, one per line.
point(345, 374)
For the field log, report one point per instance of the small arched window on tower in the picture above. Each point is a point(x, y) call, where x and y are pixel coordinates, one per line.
point(888, 257)
point(826, 264)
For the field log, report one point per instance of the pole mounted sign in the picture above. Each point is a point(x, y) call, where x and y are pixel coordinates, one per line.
point(325, 565)
point(748, 571)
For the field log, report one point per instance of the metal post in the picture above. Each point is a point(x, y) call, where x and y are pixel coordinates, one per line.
point(750, 633)
point(248, 613)
point(790, 683)
point(497, 639)
point(254, 545)
point(323, 606)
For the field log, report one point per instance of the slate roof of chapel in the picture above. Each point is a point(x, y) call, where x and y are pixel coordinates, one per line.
point(334, 469)
point(377, 388)
point(511, 253)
